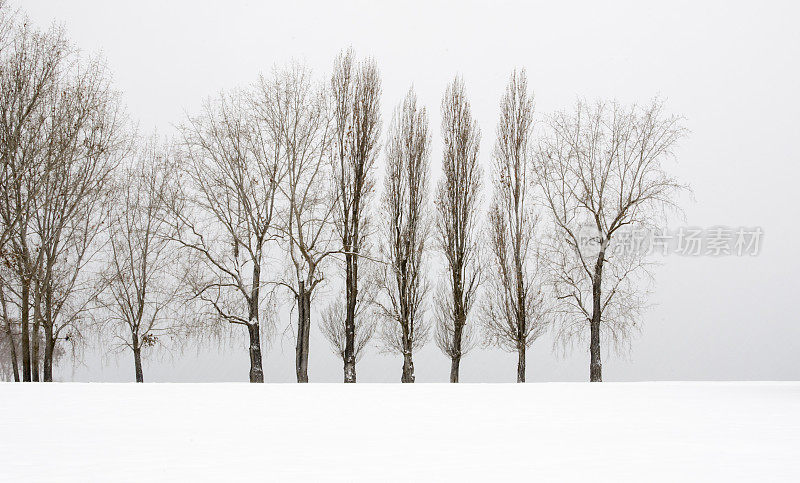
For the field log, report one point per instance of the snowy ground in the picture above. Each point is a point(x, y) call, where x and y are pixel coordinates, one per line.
point(373, 432)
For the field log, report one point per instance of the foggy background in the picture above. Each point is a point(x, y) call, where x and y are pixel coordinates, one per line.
point(730, 69)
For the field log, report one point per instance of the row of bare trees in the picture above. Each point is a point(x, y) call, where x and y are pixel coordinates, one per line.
point(268, 194)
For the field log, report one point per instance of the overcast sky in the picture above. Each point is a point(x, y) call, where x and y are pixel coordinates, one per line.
point(731, 69)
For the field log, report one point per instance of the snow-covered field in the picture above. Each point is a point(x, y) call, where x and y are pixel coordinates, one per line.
point(374, 432)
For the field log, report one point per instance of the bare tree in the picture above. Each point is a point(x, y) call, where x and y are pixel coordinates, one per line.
point(8, 340)
point(30, 66)
point(86, 140)
point(514, 313)
point(356, 90)
point(406, 231)
point(600, 173)
point(457, 204)
point(297, 112)
point(60, 127)
point(225, 208)
point(140, 287)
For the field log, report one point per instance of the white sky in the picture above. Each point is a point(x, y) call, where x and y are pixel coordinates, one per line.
point(730, 69)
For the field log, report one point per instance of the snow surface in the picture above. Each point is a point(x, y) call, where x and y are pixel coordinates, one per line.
point(373, 432)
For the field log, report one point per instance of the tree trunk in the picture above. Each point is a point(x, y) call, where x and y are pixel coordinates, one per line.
point(253, 329)
point(595, 366)
point(37, 319)
point(303, 329)
point(49, 336)
point(521, 313)
point(10, 334)
point(351, 288)
point(137, 358)
point(455, 361)
point(13, 347)
point(408, 367)
point(349, 371)
point(408, 348)
point(458, 325)
point(256, 370)
point(26, 336)
point(49, 348)
point(455, 358)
